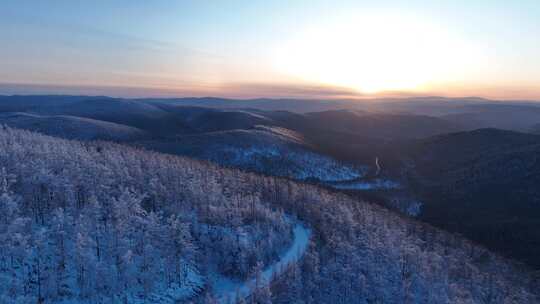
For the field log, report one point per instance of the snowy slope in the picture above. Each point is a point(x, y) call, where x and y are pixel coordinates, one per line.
point(269, 150)
point(71, 127)
point(384, 184)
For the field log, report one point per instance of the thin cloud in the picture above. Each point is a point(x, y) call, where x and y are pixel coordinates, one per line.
point(254, 90)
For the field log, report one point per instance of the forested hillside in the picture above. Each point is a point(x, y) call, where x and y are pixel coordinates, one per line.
point(484, 184)
point(104, 223)
point(72, 127)
point(267, 150)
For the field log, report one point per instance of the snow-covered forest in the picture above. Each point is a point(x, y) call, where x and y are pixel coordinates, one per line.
point(97, 222)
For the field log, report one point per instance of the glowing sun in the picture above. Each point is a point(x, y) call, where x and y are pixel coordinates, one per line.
point(372, 53)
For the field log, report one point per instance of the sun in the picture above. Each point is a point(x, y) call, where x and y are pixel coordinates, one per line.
point(372, 53)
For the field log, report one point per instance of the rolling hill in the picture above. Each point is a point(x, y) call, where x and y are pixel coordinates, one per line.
point(72, 127)
point(269, 150)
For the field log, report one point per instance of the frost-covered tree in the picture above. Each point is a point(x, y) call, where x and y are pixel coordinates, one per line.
point(104, 223)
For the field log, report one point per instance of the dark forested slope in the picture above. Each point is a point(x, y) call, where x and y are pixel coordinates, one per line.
point(483, 183)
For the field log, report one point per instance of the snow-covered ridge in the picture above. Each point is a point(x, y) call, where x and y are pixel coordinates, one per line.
point(71, 127)
point(264, 149)
point(377, 184)
point(284, 161)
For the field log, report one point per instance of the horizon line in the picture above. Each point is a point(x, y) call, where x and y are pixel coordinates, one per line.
point(139, 93)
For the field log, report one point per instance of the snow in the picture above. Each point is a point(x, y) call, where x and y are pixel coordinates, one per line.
point(415, 208)
point(285, 161)
point(192, 286)
point(368, 185)
point(227, 289)
point(286, 134)
point(71, 127)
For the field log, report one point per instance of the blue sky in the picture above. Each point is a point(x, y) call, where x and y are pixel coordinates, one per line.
point(241, 48)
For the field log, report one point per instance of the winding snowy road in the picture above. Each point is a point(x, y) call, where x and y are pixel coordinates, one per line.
point(226, 289)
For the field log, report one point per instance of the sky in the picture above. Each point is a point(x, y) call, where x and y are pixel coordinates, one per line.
point(246, 49)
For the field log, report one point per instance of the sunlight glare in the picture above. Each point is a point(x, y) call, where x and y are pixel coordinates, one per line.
point(374, 54)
